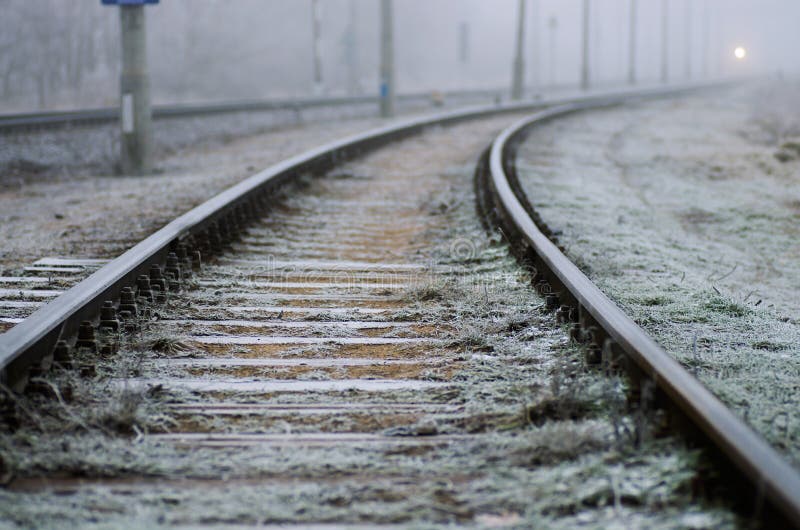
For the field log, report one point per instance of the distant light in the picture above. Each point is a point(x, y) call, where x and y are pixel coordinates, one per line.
point(740, 53)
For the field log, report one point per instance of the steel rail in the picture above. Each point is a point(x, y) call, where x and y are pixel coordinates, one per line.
point(766, 471)
point(12, 122)
point(32, 342)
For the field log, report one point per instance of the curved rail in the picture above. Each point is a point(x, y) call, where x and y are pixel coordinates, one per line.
point(763, 468)
point(32, 342)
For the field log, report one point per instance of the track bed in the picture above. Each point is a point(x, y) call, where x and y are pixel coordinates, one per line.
point(364, 355)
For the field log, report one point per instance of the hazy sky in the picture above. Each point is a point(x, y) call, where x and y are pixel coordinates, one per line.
point(234, 49)
point(768, 29)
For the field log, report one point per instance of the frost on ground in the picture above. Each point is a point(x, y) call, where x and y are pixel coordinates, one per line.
point(94, 215)
point(60, 195)
point(52, 153)
point(544, 441)
point(687, 213)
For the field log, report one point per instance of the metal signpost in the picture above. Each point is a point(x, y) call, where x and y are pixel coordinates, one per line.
point(135, 112)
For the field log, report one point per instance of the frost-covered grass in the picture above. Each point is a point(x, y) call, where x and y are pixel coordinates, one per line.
point(681, 212)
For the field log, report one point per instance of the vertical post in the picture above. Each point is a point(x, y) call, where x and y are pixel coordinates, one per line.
point(689, 40)
point(316, 24)
point(463, 43)
point(585, 55)
point(518, 80)
point(463, 53)
point(351, 50)
point(664, 41)
point(135, 113)
point(553, 26)
point(632, 34)
point(535, 49)
point(387, 95)
point(705, 37)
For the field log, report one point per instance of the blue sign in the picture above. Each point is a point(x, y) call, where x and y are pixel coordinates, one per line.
point(128, 2)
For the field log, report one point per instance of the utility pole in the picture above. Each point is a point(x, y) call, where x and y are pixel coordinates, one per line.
point(518, 81)
point(316, 24)
point(664, 41)
point(585, 60)
point(463, 53)
point(688, 43)
point(136, 145)
point(535, 49)
point(705, 37)
point(463, 43)
point(552, 25)
point(632, 43)
point(387, 94)
point(351, 50)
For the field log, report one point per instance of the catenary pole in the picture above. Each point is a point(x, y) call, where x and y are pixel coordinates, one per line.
point(316, 35)
point(463, 43)
point(387, 74)
point(518, 79)
point(351, 49)
point(535, 49)
point(664, 41)
point(706, 37)
point(553, 27)
point(688, 41)
point(585, 55)
point(632, 41)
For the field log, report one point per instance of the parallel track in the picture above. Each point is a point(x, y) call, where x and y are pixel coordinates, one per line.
point(42, 120)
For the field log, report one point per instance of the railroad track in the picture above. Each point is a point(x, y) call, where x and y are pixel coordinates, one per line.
point(345, 353)
point(39, 120)
point(613, 339)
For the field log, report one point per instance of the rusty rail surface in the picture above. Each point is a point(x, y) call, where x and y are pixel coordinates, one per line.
point(770, 480)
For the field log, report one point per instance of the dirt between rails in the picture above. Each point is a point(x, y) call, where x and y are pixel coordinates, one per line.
point(493, 421)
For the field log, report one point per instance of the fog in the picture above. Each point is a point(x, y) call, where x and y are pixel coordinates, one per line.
point(65, 54)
